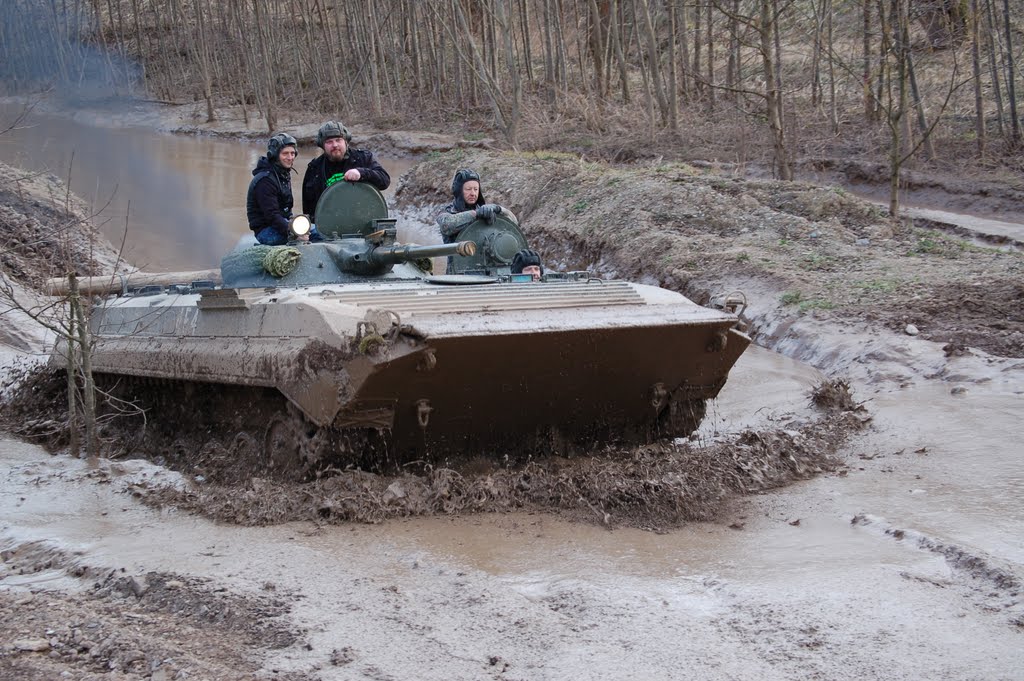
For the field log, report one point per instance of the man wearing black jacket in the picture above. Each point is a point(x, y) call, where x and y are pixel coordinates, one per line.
point(338, 163)
point(268, 203)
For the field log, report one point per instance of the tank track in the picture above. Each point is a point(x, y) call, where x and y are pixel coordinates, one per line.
point(229, 433)
point(681, 416)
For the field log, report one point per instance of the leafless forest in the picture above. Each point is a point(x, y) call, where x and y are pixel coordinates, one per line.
point(904, 81)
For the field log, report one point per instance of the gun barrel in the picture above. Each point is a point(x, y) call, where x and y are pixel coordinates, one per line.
point(399, 253)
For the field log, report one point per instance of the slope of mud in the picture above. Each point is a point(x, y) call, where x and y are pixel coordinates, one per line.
point(45, 230)
point(655, 487)
point(800, 250)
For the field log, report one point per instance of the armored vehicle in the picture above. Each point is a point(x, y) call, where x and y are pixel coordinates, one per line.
point(350, 352)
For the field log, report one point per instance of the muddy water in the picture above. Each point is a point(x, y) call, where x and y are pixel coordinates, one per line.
point(177, 201)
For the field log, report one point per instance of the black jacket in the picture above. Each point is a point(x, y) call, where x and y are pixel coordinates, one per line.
point(320, 171)
point(269, 201)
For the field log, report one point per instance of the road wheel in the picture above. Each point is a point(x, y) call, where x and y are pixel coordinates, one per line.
point(282, 449)
point(681, 416)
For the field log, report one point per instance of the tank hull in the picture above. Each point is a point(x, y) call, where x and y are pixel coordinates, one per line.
point(443, 371)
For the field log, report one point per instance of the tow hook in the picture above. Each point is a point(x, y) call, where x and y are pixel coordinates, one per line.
point(423, 410)
point(733, 303)
point(428, 361)
point(659, 397)
point(718, 341)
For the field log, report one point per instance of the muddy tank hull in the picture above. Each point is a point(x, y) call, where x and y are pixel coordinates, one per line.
point(346, 352)
point(501, 369)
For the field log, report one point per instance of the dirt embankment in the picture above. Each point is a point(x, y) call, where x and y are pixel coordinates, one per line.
point(799, 251)
point(46, 229)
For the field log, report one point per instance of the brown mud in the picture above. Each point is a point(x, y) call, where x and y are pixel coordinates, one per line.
point(660, 485)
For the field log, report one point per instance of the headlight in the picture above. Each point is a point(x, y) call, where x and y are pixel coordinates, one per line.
point(299, 225)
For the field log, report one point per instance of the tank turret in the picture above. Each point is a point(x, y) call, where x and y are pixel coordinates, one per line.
point(359, 242)
point(497, 243)
point(333, 261)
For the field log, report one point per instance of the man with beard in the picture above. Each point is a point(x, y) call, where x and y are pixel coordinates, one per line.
point(338, 163)
point(268, 204)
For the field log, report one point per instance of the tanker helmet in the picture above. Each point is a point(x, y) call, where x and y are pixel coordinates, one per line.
point(279, 142)
point(332, 129)
point(525, 258)
point(462, 176)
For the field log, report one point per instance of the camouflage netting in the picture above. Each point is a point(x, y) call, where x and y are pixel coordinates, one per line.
point(278, 261)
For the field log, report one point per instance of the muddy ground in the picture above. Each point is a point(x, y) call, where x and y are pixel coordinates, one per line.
point(908, 315)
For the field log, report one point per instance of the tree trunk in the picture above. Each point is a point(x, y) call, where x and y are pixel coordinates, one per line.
point(673, 88)
point(595, 41)
point(74, 443)
point(732, 68)
point(979, 102)
point(503, 17)
point(897, 111)
point(922, 120)
point(652, 62)
point(711, 56)
point(266, 67)
point(615, 32)
point(202, 52)
point(833, 106)
point(993, 65)
point(870, 109)
point(885, 42)
point(773, 96)
point(92, 442)
point(1011, 77)
point(698, 12)
point(684, 53)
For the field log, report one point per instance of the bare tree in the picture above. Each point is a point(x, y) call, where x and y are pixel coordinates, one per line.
point(1011, 77)
point(979, 102)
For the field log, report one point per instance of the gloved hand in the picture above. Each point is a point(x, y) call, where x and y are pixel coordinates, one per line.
point(485, 213)
point(496, 207)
